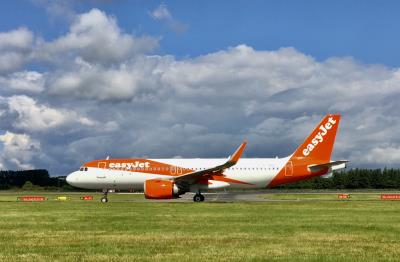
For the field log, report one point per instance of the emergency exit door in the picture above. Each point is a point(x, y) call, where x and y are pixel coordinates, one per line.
point(289, 169)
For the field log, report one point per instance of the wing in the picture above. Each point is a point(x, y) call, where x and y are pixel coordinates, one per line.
point(334, 165)
point(191, 178)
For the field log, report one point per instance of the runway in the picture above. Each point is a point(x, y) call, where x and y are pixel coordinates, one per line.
point(224, 197)
point(267, 196)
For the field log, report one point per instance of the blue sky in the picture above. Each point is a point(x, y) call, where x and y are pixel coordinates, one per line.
point(80, 80)
point(364, 30)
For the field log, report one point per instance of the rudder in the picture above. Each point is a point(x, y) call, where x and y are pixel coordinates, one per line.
point(319, 144)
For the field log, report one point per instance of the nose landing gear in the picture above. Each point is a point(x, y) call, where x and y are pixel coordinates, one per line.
point(104, 199)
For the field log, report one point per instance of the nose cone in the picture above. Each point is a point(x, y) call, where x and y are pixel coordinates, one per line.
point(72, 179)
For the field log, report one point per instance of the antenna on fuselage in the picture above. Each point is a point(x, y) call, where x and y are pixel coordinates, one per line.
point(108, 157)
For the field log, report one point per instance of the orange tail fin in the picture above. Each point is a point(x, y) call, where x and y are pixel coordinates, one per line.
point(319, 144)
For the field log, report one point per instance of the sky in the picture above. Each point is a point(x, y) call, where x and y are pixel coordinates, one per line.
point(82, 80)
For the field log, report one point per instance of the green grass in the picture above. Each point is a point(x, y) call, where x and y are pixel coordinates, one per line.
point(324, 196)
point(153, 231)
point(10, 196)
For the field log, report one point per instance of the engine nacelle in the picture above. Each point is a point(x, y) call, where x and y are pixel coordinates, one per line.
point(160, 189)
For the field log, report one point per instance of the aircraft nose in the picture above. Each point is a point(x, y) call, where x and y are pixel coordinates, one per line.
point(71, 178)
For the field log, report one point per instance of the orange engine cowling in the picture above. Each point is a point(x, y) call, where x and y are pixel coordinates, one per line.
point(160, 189)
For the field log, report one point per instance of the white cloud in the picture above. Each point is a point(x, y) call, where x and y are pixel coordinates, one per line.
point(162, 13)
point(223, 74)
point(18, 39)
point(96, 37)
point(97, 82)
point(381, 155)
point(29, 81)
point(33, 117)
point(18, 150)
point(15, 47)
point(93, 36)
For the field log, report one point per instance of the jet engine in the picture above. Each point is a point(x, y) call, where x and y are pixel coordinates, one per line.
point(160, 189)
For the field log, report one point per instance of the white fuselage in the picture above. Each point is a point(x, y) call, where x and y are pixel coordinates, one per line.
point(247, 173)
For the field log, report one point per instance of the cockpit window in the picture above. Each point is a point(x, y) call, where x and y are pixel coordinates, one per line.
point(81, 169)
point(85, 168)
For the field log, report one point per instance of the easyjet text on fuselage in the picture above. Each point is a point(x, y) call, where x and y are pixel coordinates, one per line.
point(129, 165)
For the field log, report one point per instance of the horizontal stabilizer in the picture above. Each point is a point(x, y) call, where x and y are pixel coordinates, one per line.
point(334, 165)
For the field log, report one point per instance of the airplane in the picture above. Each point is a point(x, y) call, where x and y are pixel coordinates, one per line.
point(171, 178)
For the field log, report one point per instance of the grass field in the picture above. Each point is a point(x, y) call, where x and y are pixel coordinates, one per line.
point(325, 230)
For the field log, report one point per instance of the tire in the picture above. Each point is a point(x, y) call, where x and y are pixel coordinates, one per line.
point(202, 198)
point(104, 200)
point(197, 198)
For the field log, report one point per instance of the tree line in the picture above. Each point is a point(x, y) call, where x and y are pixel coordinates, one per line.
point(357, 178)
point(31, 179)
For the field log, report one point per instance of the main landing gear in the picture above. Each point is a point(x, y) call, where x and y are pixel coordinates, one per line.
point(198, 197)
point(104, 199)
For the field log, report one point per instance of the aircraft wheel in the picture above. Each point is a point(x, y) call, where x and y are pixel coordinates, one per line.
point(104, 200)
point(198, 198)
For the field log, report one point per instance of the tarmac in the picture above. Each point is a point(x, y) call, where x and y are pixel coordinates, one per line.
point(230, 197)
